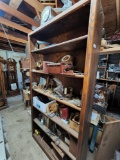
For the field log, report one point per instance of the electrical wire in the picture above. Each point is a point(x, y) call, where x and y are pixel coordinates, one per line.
point(7, 37)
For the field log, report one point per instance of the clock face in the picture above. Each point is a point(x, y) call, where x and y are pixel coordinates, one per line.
point(11, 68)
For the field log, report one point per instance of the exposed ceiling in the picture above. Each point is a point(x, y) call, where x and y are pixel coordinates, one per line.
point(17, 17)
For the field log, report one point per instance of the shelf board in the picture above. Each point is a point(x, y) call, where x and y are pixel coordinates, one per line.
point(69, 45)
point(48, 94)
point(108, 80)
point(59, 122)
point(58, 24)
point(62, 145)
point(113, 72)
point(67, 75)
point(43, 145)
point(102, 67)
point(49, 4)
point(113, 50)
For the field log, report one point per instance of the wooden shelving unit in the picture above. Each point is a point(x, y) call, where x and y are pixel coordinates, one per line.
point(107, 53)
point(68, 33)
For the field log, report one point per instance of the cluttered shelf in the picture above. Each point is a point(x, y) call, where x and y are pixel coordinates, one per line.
point(61, 144)
point(67, 75)
point(69, 45)
point(43, 145)
point(58, 25)
point(59, 122)
point(50, 95)
point(66, 102)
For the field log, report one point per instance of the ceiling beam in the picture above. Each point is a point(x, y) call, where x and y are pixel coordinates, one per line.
point(35, 4)
point(14, 25)
point(16, 49)
point(15, 4)
point(118, 13)
point(6, 8)
point(11, 37)
point(6, 30)
point(3, 40)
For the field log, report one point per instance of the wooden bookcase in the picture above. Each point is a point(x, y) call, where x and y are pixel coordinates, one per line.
point(77, 32)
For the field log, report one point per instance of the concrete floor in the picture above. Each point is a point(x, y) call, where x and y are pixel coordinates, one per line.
point(18, 126)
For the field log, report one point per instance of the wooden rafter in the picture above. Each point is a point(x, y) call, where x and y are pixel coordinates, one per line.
point(4, 29)
point(6, 8)
point(14, 25)
point(118, 13)
point(15, 4)
point(11, 37)
point(3, 40)
point(37, 5)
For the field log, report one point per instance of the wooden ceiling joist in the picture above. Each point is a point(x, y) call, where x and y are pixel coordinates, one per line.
point(118, 13)
point(11, 37)
point(16, 49)
point(14, 25)
point(35, 4)
point(15, 4)
point(3, 40)
point(6, 8)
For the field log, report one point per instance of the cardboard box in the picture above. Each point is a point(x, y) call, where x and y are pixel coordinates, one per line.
point(74, 124)
point(40, 105)
point(26, 95)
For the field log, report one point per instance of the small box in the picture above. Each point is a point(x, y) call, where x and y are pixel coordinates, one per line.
point(54, 68)
point(40, 105)
point(74, 124)
point(26, 95)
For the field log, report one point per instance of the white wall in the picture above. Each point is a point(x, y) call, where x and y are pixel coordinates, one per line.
point(17, 56)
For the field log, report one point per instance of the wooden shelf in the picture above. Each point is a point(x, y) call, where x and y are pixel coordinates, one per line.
point(71, 32)
point(113, 72)
point(43, 145)
point(70, 45)
point(57, 25)
point(62, 145)
point(111, 50)
point(49, 4)
point(59, 122)
point(102, 67)
point(108, 80)
point(48, 94)
point(63, 74)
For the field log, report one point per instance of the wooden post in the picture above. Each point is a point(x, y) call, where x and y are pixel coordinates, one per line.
point(93, 50)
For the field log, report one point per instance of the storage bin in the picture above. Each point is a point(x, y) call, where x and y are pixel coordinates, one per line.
point(40, 105)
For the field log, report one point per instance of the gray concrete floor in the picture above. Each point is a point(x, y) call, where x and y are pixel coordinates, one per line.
point(18, 126)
